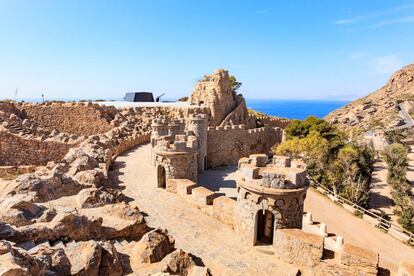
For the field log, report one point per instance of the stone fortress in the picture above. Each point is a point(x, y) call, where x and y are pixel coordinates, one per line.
point(63, 209)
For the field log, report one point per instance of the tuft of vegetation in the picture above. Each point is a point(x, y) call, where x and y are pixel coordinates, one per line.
point(333, 161)
point(235, 85)
point(397, 165)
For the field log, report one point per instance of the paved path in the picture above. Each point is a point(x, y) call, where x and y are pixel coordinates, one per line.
point(339, 221)
point(217, 244)
point(194, 232)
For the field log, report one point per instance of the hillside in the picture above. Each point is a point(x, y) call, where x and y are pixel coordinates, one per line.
point(380, 108)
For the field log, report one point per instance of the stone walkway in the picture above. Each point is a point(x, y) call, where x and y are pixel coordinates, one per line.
point(338, 220)
point(216, 243)
point(196, 233)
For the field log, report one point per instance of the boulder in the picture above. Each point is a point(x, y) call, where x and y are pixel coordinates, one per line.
point(18, 210)
point(85, 257)
point(64, 225)
point(179, 263)
point(92, 197)
point(5, 247)
point(154, 246)
point(110, 260)
point(119, 221)
point(19, 263)
point(55, 259)
point(42, 189)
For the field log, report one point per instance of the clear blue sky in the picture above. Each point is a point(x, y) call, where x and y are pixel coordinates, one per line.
point(279, 49)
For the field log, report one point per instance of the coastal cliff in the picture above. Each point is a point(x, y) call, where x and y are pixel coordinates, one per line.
point(380, 109)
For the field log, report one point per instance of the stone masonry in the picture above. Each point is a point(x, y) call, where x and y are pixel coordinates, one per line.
point(269, 198)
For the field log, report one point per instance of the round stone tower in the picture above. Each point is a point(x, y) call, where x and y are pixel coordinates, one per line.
point(175, 158)
point(198, 124)
point(270, 197)
point(175, 127)
point(159, 128)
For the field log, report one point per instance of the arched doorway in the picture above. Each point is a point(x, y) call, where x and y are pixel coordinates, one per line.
point(265, 226)
point(161, 177)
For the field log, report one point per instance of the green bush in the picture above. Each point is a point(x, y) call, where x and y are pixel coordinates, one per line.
point(331, 159)
point(397, 161)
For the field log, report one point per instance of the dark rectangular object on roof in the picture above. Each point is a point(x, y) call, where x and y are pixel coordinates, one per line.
point(139, 97)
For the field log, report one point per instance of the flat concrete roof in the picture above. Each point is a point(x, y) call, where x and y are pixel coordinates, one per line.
point(122, 104)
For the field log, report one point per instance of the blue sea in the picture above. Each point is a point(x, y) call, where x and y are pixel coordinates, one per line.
point(295, 109)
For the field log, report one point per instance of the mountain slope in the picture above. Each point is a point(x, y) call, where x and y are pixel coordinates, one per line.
point(380, 108)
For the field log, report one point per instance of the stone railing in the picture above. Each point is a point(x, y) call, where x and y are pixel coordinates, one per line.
point(370, 217)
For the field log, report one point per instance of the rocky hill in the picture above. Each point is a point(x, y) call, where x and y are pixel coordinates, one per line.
point(379, 109)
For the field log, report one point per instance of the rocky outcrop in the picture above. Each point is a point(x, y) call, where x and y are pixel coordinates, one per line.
point(92, 198)
point(154, 246)
point(215, 91)
point(379, 109)
point(19, 210)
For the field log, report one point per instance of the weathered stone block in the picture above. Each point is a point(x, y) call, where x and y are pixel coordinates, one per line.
point(297, 177)
point(297, 247)
point(203, 196)
point(259, 160)
point(243, 160)
point(360, 260)
point(281, 161)
point(184, 186)
point(249, 171)
point(171, 185)
point(223, 209)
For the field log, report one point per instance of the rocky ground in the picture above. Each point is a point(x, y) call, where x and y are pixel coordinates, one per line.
point(68, 218)
point(380, 108)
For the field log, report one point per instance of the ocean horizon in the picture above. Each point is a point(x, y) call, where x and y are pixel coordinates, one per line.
point(295, 109)
point(286, 108)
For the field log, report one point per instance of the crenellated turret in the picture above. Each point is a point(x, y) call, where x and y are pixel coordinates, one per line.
point(198, 124)
point(270, 197)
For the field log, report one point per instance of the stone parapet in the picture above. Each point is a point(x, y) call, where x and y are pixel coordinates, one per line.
point(297, 247)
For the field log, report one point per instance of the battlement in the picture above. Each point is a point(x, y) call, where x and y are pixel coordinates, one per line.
point(159, 121)
point(278, 174)
point(197, 117)
point(227, 127)
point(271, 120)
point(181, 143)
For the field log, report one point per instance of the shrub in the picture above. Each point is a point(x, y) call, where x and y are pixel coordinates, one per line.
point(331, 160)
point(397, 161)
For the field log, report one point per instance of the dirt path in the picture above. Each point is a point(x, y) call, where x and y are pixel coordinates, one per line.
point(380, 193)
point(194, 232)
point(357, 231)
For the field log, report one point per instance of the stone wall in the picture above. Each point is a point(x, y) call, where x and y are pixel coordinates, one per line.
point(297, 247)
point(17, 151)
point(72, 118)
point(6, 171)
point(226, 145)
point(271, 121)
point(287, 209)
